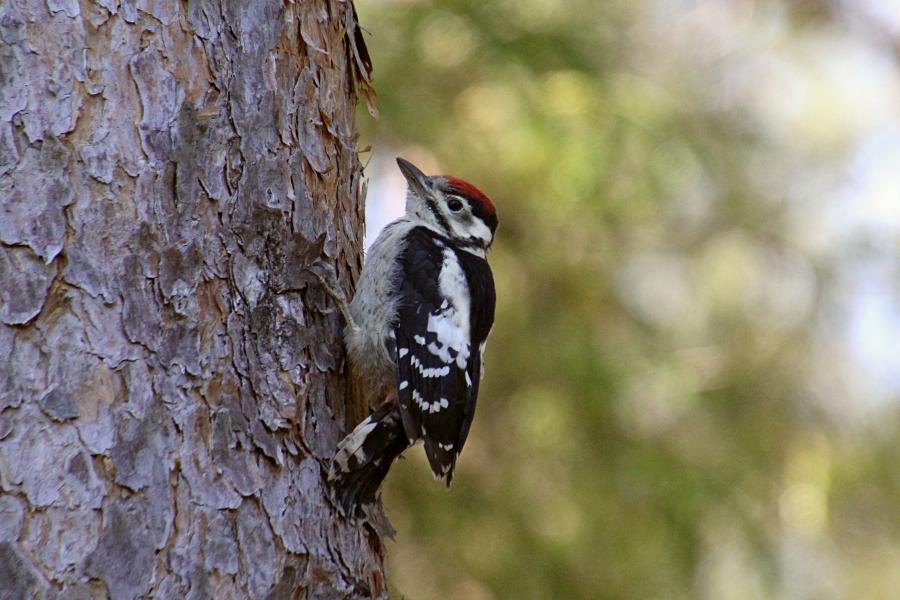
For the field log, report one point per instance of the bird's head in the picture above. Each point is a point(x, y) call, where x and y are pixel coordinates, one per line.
point(450, 206)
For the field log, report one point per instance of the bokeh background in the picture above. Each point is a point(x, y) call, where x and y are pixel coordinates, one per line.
point(692, 387)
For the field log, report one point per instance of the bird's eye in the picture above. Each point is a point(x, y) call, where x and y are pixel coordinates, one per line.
point(454, 204)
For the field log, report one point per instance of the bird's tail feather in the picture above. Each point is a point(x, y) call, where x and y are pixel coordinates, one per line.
point(364, 457)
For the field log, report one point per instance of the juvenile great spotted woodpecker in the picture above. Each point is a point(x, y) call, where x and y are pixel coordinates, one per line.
point(423, 309)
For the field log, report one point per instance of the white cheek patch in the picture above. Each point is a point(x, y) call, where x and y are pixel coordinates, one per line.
point(480, 231)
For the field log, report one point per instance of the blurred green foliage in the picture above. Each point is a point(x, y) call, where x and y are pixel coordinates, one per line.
point(649, 426)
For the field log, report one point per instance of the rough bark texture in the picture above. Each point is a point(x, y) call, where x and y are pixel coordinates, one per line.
point(170, 371)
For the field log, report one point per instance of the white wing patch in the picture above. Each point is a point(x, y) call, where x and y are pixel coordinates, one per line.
point(451, 324)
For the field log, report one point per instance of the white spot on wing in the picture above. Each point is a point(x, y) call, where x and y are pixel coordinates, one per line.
point(429, 407)
point(404, 385)
point(429, 372)
point(403, 352)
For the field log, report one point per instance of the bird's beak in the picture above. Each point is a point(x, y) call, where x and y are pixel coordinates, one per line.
point(418, 181)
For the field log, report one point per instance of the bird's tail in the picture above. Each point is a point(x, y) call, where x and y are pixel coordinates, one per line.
point(363, 457)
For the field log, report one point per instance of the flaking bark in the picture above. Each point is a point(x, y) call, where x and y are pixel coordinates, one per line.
point(170, 370)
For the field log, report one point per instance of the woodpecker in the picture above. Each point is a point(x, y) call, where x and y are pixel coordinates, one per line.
point(416, 333)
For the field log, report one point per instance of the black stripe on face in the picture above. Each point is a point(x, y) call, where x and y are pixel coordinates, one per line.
point(441, 219)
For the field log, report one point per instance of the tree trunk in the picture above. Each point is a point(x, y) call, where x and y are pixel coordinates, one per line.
point(170, 370)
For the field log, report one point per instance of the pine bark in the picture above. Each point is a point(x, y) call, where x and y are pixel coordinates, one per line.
point(170, 370)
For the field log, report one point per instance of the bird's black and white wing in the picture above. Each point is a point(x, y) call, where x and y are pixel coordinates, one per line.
point(439, 342)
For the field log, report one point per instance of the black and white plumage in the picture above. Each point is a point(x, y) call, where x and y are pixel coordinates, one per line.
point(421, 315)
